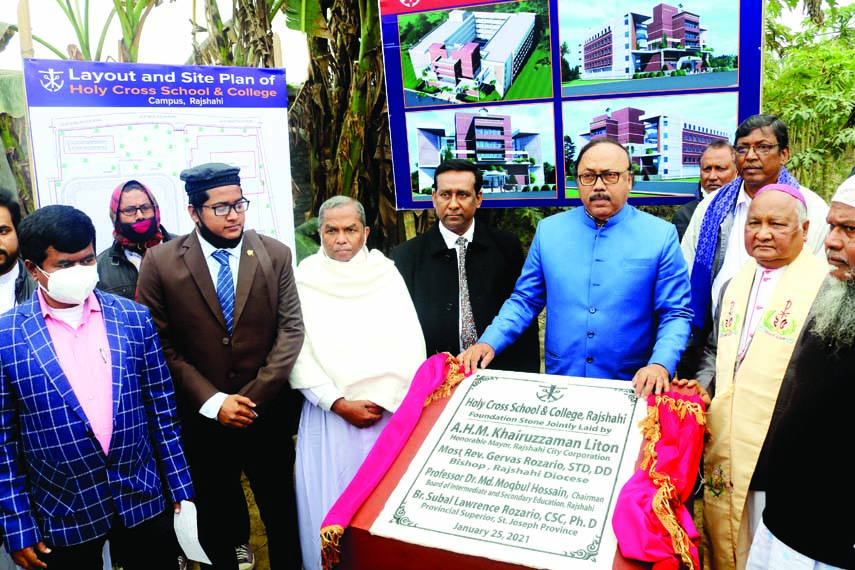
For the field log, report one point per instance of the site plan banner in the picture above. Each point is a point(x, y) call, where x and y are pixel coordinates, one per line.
point(97, 125)
point(520, 86)
point(521, 468)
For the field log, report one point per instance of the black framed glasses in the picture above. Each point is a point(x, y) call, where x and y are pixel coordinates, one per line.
point(146, 209)
point(608, 177)
point(761, 149)
point(240, 207)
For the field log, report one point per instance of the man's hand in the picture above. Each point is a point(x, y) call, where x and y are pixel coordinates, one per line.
point(28, 559)
point(237, 411)
point(652, 378)
point(358, 413)
point(480, 352)
point(691, 387)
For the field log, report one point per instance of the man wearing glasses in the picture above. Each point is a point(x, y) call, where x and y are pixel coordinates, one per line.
point(226, 308)
point(713, 244)
point(614, 283)
point(136, 229)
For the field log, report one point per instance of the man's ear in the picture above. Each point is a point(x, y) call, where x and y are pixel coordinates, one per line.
point(32, 268)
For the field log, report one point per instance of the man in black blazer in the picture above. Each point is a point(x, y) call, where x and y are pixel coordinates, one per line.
point(493, 261)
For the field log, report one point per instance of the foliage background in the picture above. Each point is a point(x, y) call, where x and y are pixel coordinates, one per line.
point(809, 82)
point(339, 119)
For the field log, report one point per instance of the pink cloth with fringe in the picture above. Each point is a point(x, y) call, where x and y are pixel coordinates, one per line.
point(430, 376)
point(651, 521)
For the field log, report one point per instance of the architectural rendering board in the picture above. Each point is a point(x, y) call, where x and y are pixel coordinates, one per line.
point(507, 141)
point(665, 135)
point(495, 52)
point(518, 87)
point(648, 46)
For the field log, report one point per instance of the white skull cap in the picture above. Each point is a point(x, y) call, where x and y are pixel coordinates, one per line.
point(846, 192)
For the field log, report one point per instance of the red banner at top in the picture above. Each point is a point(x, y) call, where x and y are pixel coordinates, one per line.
point(392, 7)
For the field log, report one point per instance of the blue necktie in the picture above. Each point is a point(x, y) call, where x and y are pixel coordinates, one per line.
point(225, 286)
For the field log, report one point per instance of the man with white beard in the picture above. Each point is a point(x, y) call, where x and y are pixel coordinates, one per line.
point(806, 493)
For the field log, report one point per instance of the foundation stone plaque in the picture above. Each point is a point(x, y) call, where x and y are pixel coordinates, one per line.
point(521, 468)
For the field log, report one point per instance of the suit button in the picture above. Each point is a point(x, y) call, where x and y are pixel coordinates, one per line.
point(109, 464)
point(226, 340)
point(589, 360)
point(90, 433)
point(232, 374)
point(448, 306)
point(593, 310)
point(590, 334)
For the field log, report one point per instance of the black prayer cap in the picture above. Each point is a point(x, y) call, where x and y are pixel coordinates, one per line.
point(209, 175)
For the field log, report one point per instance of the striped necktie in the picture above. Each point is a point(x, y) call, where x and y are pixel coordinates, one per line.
point(225, 286)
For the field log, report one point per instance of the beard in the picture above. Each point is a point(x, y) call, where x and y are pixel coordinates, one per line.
point(834, 313)
point(9, 261)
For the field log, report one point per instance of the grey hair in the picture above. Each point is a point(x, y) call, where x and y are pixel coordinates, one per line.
point(719, 144)
point(340, 202)
point(801, 210)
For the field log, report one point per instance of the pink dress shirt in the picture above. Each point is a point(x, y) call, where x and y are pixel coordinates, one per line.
point(84, 355)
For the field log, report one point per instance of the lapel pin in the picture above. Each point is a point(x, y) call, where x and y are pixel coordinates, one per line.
point(250, 252)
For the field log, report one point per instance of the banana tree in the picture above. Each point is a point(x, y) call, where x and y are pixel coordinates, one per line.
point(340, 111)
point(131, 15)
point(245, 40)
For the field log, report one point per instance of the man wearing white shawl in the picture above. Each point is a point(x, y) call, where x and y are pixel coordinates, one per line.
point(363, 345)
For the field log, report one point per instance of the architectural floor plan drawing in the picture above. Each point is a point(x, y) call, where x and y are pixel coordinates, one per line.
point(82, 155)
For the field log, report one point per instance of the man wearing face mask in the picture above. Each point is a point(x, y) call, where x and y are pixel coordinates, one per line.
point(90, 447)
point(136, 229)
point(226, 307)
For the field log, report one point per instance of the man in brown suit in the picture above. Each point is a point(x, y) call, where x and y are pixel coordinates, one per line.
point(226, 308)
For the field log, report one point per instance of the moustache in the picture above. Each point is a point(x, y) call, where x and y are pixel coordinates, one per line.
point(600, 196)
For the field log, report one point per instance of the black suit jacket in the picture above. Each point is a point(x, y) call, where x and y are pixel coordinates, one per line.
point(494, 260)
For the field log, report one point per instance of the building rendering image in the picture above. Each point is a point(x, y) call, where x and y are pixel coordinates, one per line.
point(669, 40)
point(510, 159)
point(663, 146)
point(473, 50)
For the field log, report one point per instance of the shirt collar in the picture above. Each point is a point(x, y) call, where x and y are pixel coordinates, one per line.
point(450, 237)
point(208, 249)
point(89, 306)
point(11, 275)
point(742, 197)
point(609, 221)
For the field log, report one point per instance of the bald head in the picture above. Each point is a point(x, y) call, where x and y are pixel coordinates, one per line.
point(776, 228)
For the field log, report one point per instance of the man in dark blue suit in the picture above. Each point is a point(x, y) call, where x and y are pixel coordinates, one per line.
point(90, 445)
point(492, 259)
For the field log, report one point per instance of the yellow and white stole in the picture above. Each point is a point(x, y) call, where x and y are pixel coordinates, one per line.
point(741, 410)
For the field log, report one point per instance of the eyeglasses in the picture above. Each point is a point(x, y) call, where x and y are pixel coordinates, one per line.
point(608, 177)
point(761, 149)
point(240, 207)
point(131, 210)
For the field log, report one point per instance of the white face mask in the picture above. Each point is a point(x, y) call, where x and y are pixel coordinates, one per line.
point(71, 285)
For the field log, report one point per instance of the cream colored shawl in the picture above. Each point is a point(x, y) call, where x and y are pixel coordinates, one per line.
point(362, 331)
